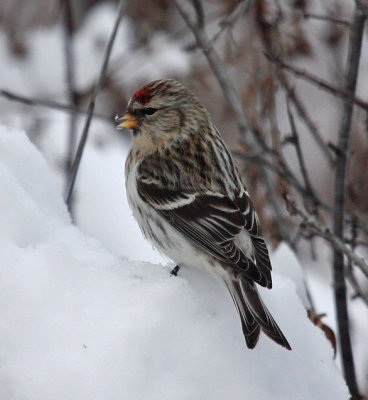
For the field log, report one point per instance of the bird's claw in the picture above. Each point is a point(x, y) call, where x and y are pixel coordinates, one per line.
point(175, 271)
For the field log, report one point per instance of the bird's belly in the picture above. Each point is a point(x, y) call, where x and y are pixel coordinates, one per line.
point(176, 247)
point(169, 241)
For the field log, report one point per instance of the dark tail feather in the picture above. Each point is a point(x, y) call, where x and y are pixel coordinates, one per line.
point(254, 314)
point(250, 326)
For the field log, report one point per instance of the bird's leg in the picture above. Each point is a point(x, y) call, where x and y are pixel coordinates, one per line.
point(175, 271)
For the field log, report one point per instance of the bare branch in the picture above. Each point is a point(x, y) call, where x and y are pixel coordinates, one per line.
point(363, 6)
point(34, 102)
point(214, 61)
point(272, 48)
point(315, 226)
point(321, 83)
point(353, 58)
point(274, 200)
point(295, 140)
point(199, 13)
point(70, 81)
point(284, 173)
point(359, 292)
point(357, 243)
point(230, 20)
point(327, 18)
point(313, 129)
point(121, 11)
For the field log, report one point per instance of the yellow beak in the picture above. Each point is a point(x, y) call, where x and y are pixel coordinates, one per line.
point(128, 121)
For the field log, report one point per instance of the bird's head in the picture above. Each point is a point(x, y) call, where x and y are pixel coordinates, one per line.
point(160, 111)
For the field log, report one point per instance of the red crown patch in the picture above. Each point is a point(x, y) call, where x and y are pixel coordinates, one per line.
point(143, 95)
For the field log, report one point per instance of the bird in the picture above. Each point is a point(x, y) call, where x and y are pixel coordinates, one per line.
point(187, 195)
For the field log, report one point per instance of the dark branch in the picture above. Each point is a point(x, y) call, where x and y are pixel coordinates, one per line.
point(228, 22)
point(321, 83)
point(311, 126)
point(317, 228)
point(283, 172)
point(34, 102)
point(272, 48)
point(327, 18)
point(121, 10)
point(353, 58)
point(214, 61)
point(70, 82)
point(295, 140)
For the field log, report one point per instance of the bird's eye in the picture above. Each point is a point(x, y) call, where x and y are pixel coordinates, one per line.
point(150, 111)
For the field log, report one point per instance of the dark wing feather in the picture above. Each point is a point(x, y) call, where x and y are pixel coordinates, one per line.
point(210, 221)
point(253, 227)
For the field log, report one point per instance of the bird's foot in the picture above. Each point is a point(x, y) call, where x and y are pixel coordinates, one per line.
point(175, 271)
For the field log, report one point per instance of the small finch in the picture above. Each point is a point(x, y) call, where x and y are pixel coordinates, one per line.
point(188, 198)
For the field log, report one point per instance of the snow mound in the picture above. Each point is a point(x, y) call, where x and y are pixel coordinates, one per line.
point(79, 322)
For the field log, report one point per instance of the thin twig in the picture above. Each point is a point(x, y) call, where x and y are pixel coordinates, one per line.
point(327, 18)
point(349, 273)
point(272, 48)
point(357, 243)
point(315, 226)
point(353, 58)
point(362, 5)
point(283, 172)
point(35, 102)
point(352, 241)
point(121, 10)
point(308, 293)
point(321, 83)
point(70, 81)
point(311, 126)
point(214, 61)
point(282, 227)
point(230, 20)
point(295, 140)
point(359, 292)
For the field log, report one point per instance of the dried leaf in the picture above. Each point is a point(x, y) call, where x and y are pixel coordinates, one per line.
point(329, 333)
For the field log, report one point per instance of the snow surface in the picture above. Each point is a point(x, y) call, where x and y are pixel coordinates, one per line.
point(80, 321)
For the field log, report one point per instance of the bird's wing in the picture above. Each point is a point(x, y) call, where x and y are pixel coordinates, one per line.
point(253, 227)
point(209, 220)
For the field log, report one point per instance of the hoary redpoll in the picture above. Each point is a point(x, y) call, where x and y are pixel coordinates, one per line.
point(189, 200)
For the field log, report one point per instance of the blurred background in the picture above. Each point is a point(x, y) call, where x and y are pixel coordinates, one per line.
point(51, 54)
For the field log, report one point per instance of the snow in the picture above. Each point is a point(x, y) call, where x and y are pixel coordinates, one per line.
point(82, 321)
point(114, 225)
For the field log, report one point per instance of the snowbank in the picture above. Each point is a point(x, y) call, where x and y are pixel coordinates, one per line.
point(79, 322)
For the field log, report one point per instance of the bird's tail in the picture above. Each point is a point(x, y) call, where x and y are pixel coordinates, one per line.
point(253, 313)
